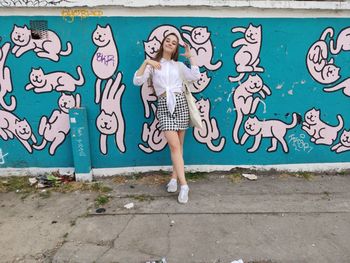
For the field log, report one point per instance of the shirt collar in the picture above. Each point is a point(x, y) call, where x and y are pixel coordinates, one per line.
point(165, 60)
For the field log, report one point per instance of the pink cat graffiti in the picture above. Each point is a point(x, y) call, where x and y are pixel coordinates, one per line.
point(209, 131)
point(320, 68)
point(274, 129)
point(244, 101)
point(320, 132)
point(247, 57)
point(56, 128)
point(201, 84)
point(148, 96)
point(342, 43)
point(201, 46)
point(11, 125)
point(345, 85)
point(5, 79)
point(152, 136)
point(156, 37)
point(344, 143)
point(59, 81)
point(105, 60)
point(49, 47)
point(110, 120)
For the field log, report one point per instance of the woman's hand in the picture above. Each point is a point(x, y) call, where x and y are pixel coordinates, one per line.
point(187, 53)
point(153, 63)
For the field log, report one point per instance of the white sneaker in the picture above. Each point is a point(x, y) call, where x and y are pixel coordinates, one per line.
point(183, 195)
point(172, 186)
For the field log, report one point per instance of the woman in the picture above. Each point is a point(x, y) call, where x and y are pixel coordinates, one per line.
point(167, 75)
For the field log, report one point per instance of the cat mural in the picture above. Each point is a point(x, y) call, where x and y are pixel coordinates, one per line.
point(344, 143)
point(148, 97)
point(59, 81)
point(321, 132)
point(322, 69)
point(152, 136)
point(11, 126)
point(209, 131)
point(201, 46)
point(342, 43)
point(201, 84)
point(105, 59)
point(152, 45)
point(274, 129)
point(49, 47)
point(344, 86)
point(54, 129)
point(247, 57)
point(246, 101)
point(110, 121)
point(5, 80)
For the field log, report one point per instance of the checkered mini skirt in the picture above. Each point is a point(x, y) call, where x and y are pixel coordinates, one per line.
point(179, 120)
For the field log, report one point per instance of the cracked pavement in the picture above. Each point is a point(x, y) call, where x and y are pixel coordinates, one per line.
point(274, 219)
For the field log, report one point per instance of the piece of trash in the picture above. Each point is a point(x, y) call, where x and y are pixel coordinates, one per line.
point(131, 186)
point(32, 181)
point(250, 176)
point(238, 261)
point(54, 222)
point(163, 260)
point(100, 210)
point(172, 223)
point(17, 191)
point(129, 206)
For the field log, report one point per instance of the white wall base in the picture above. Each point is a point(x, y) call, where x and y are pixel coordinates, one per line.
point(101, 172)
point(83, 177)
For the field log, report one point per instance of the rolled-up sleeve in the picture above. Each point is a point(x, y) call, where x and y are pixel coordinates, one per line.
point(139, 80)
point(190, 74)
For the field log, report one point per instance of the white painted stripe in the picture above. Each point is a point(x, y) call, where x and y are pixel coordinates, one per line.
point(101, 172)
point(199, 11)
point(328, 5)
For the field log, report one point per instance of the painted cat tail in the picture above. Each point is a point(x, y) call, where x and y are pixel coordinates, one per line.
point(68, 50)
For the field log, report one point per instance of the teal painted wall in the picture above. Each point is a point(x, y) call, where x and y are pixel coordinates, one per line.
point(293, 85)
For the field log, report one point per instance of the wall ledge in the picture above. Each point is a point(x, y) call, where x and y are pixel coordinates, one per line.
point(260, 4)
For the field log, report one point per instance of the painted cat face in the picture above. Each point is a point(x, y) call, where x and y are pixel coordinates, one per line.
point(345, 138)
point(107, 123)
point(253, 84)
point(200, 35)
point(253, 34)
point(202, 83)
point(312, 116)
point(37, 77)
point(203, 107)
point(102, 36)
point(252, 126)
point(151, 47)
point(330, 73)
point(66, 102)
point(23, 129)
point(20, 35)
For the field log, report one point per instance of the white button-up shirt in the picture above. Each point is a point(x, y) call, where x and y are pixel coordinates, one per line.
point(168, 79)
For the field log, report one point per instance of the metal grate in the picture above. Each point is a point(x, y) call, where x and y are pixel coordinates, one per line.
point(38, 29)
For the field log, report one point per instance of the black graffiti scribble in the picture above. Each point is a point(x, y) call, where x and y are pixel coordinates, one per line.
point(5, 3)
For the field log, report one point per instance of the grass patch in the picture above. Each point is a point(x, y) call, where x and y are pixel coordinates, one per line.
point(141, 198)
point(306, 175)
point(17, 184)
point(101, 200)
point(235, 177)
point(196, 176)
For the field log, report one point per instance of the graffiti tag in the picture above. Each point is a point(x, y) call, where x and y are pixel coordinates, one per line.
point(105, 58)
point(2, 157)
point(299, 144)
point(82, 13)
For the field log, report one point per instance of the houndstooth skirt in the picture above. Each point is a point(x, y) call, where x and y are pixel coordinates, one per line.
point(179, 120)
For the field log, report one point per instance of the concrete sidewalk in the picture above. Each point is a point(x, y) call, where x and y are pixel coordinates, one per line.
point(274, 219)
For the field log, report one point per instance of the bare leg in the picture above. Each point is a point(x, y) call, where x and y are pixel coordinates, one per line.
point(181, 134)
point(176, 154)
